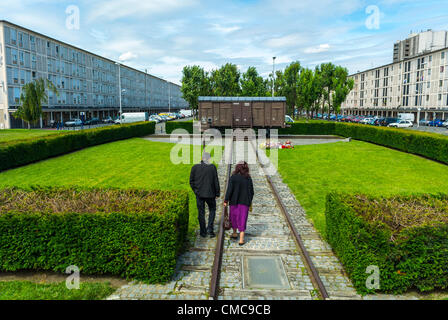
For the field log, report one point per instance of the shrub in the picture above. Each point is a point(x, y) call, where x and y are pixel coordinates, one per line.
point(406, 237)
point(131, 233)
point(173, 125)
point(430, 145)
point(309, 128)
point(17, 153)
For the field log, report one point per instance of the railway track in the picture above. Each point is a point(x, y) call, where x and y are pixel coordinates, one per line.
point(281, 246)
point(271, 223)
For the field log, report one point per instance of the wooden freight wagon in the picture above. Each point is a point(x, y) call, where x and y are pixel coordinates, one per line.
point(242, 112)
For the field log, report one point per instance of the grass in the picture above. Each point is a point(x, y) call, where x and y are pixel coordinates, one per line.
point(133, 163)
point(27, 290)
point(24, 134)
point(356, 167)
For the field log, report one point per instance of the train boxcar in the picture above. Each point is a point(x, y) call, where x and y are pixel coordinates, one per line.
point(242, 112)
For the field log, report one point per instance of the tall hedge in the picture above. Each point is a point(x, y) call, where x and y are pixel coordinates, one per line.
point(431, 145)
point(405, 237)
point(309, 128)
point(173, 125)
point(18, 153)
point(135, 234)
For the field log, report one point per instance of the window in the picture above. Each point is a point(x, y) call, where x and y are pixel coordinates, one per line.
point(14, 56)
point(16, 95)
point(443, 55)
point(442, 69)
point(13, 36)
point(441, 83)
point(430, 58)
point(16, 76)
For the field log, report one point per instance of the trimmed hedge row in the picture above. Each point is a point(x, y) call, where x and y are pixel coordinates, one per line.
point(173, 125)
point(309, 128)
point(135, 234)
point(430, 145)
point(410, 251)
point(18, 153)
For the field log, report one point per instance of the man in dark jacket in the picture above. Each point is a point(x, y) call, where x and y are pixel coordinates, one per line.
point(205, 184)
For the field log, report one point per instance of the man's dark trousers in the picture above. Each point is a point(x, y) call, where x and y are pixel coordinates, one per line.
point(211, 203)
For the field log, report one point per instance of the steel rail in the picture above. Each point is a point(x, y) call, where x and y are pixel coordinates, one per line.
point(309, 265)
point(217, 261)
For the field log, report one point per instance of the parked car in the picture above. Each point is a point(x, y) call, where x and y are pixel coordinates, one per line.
point(366, 120)
point(288, 119)
point(401, 124)
point(423, 122)
point(436, 123)
point(445, 124)
point(153, 118)
point(92, 121)
point(387, 121)
point(108, 120)
point(73, 123)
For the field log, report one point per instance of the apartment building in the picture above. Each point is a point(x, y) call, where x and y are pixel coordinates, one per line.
point(87, 83)
point(416, 84)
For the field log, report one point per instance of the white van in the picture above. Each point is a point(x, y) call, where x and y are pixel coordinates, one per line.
point(186, 113)
point(406, 116)
point(133, 117)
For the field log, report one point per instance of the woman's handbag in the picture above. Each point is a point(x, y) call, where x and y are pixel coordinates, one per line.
point(227, 224)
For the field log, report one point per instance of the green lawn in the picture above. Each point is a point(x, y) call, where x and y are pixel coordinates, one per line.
point(133, 163)
point(26, 290)
point(355, 167)
point(23, 134)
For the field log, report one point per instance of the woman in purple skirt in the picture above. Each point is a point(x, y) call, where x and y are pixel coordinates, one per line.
point(240, 193)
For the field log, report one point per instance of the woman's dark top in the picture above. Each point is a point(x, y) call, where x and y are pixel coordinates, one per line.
point(240, 190)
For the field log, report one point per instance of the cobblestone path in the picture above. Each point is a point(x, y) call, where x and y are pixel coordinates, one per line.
point(267, 236)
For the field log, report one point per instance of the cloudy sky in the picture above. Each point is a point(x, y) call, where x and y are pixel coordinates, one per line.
point(165, 35)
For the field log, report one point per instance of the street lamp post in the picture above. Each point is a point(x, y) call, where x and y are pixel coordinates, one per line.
point(119, 89)
point(273, 75)
point(418, 117)
point(169, 98)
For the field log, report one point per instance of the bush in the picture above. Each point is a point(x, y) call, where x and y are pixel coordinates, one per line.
point(309, 128)
point(18, 153)
point(131, 233)
point(406, 237)
point(173, 125)
point(430, 145)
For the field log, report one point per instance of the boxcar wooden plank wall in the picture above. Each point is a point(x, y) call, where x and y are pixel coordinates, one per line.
point(242, 112)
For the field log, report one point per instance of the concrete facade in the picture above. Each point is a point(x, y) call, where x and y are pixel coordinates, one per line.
point(405, 86)
point(86, 82)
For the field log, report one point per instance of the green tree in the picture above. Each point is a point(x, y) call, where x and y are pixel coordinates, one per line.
point(226, 81)
point(327, 71)
point(342, 86)
point(252, 84)
point(32, 97)
point(195, 83)
point(306, 91)
point(289, 84)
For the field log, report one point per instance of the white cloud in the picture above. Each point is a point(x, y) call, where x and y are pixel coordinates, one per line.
point(115, 9)
point(225, 30)
point(285, 41)
point(321, 48)
point(127, 56)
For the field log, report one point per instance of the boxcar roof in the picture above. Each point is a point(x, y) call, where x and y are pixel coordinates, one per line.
point(237, 99)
